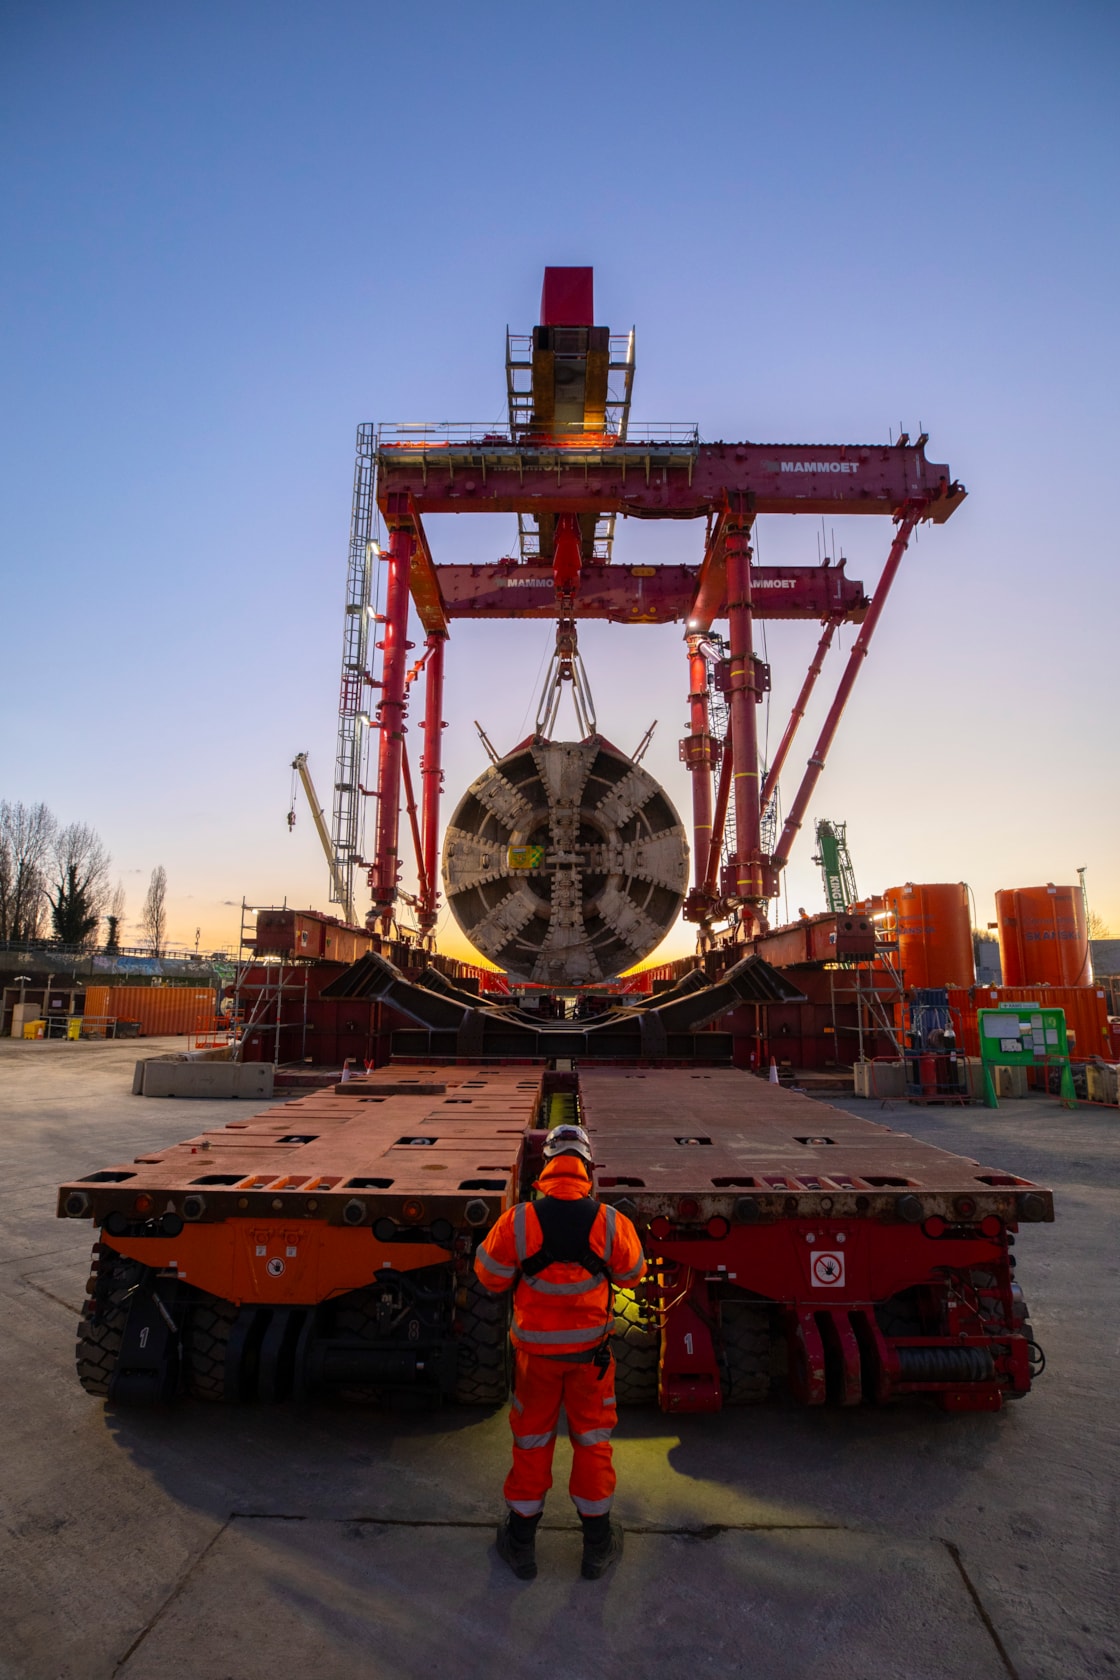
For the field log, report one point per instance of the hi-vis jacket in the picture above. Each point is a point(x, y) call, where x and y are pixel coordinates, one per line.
point(564, 1309)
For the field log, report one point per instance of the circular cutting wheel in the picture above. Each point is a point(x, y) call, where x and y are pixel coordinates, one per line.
point(565, 862)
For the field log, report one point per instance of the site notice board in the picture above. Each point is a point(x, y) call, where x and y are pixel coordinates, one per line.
point(1024, 1035)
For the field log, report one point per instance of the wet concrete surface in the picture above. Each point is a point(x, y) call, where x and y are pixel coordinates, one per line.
point(232, 1545)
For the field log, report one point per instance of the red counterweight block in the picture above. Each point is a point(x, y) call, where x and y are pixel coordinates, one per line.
point(568, 297)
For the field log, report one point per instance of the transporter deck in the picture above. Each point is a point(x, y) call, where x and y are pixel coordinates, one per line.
point(713, 1134)
point(430, 1133)
point(328, 1242)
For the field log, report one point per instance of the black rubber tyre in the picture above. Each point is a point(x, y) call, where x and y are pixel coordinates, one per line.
point(636, 1345)
point(99, 1343)
point(900, 1316)
point(746, 1354)
point(358, 1319)
point(482, 1322)
point(1020, 1312)
point(206, 1342)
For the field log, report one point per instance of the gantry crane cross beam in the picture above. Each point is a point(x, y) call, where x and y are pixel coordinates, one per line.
point(557, 468)
point(655, 480)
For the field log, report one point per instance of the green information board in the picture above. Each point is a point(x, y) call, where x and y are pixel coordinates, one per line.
point(1024, 1035)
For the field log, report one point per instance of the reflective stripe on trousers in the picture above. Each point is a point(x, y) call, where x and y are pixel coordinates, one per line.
point(542, 1386)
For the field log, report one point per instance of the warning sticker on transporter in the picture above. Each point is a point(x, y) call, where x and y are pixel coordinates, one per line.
point(828, 1270)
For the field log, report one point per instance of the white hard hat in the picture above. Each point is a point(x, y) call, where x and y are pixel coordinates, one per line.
point(568, 1140)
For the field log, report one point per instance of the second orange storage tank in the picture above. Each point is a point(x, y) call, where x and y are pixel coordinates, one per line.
point(1043, 937)
point(934, 932)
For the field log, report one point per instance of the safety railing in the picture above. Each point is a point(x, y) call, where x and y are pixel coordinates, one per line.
point(678, 435)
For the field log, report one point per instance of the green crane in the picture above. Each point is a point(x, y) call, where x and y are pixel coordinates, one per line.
point(835, 865)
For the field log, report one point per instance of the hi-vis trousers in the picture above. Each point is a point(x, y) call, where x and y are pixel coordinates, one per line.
point(540, 1387)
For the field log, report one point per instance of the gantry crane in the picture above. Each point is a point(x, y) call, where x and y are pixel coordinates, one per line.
point(567, 463)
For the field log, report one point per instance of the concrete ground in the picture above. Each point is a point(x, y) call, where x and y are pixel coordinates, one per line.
point(813, 1545)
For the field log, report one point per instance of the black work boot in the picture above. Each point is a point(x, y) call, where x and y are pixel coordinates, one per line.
point(517, 1537)
point(602, 1545)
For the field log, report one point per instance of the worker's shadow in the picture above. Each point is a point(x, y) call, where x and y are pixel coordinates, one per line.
point(323, 1459)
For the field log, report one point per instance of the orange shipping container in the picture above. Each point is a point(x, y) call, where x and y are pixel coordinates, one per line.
point(1086, 1010)
point(159, 1009)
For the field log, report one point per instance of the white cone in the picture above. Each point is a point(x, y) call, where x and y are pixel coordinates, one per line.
point(774, 1080)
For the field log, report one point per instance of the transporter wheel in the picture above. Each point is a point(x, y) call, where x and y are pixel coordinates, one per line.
point(206, 1345)
point(358, 1319)
point(482, 1323)
point(636, 1345)
point(900, 1316)
point(1021, 1318)
point(99, 1338)
point(746, 1354)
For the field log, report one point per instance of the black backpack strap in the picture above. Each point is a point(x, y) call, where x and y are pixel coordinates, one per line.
point(566, 1233)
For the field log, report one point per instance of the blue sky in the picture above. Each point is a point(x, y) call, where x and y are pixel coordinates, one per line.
point(234, 231)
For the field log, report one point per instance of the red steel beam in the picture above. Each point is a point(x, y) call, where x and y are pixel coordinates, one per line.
point(907, 521)
point(661, 479)
point(424, 582)
point(719, 819)
point(646, 594)
point(710, 599)
point(431, 776)
point(390, 720)
point(413, 823)
point(798, 711)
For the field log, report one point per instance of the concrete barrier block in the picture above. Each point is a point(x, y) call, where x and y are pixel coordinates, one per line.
point(237, 1080)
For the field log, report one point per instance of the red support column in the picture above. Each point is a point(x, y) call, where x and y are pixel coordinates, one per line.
point(908, 517)
point(390, 720)
point(712, 890)
point(431, 776)
point(699, 752)
point(744, 720)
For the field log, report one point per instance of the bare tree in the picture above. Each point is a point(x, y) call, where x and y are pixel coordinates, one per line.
point(1098, 927)
point(81, 883)
point(26, 833)
point(154, 917)
point(114, 918)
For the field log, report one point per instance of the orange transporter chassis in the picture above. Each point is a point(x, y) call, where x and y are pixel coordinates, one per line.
point(327, 1244)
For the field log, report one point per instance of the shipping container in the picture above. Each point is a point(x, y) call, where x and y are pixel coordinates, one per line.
point(308, 936)
point(159, 1009)
point(1086, 1011)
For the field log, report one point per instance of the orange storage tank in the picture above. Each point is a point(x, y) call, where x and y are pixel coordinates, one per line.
point(934, 932)
point(1043, 937)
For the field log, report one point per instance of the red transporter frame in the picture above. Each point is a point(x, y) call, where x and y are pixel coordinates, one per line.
point(839, 1352)
point(879, 1263)
point(573, 480)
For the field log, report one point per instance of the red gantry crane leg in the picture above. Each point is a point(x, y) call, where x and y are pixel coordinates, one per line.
point(700, 752)
point(390, 720)
point(750, 888)
point(431, 774)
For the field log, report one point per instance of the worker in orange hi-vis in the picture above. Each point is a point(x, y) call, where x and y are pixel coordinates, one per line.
point(562, 1255)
